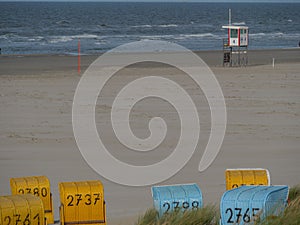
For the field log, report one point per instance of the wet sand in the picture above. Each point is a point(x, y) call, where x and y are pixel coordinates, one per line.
point(36, 135)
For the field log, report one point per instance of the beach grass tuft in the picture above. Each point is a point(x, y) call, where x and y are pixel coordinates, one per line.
point(209, 215)
point(291, 215)
point(294, 192)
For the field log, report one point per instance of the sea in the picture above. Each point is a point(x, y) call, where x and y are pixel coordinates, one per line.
point(57, 27)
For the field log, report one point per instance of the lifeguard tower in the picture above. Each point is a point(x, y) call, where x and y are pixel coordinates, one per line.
point(235, 46)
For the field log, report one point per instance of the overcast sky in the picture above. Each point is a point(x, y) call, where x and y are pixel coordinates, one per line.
point(281, 1)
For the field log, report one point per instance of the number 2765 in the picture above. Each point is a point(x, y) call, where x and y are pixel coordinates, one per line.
point(246, 217)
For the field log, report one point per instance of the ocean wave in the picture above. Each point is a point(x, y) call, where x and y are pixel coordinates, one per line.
point(168, 25)
point(205, 25)
point(199, 35)
point(35, 38)
point(179, 36)
point(101, 39)
point(273, 34)
point(19, 38)
point(142, 26)
point(257, 34)
point(155, 37)
point(4, 36)
point(85, 36)
point(59, 39)
point(151, 26)
point(216, 36)
point(239, 23)
point(50, 39)
point(62, 22)
point(67, 38)
point(10, 36)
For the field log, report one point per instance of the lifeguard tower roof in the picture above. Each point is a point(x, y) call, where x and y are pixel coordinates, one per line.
point(237, 35)
point(234, 27)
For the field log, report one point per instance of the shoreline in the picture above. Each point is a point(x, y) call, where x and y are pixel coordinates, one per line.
point(47, 64)
point(101, 53)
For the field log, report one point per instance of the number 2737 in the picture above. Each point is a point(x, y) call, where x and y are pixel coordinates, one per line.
point(87, 199)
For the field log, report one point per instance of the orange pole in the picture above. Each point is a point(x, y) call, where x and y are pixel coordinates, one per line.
point(79, 62)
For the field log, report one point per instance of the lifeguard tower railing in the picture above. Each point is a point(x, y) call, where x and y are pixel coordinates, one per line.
point(234, 55)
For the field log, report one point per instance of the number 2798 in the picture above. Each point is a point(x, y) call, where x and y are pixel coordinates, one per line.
point(178, 205)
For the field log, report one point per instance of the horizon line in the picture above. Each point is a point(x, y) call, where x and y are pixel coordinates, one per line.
point(158, 1)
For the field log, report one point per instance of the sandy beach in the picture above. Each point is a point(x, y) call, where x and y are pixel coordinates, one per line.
point(36, 136)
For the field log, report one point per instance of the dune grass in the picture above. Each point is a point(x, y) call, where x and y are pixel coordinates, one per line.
point(294, 193)
point(209, 215)
point(291, 215)
point(203, 216)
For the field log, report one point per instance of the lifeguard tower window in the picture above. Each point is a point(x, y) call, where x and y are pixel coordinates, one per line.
point(233, 33)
